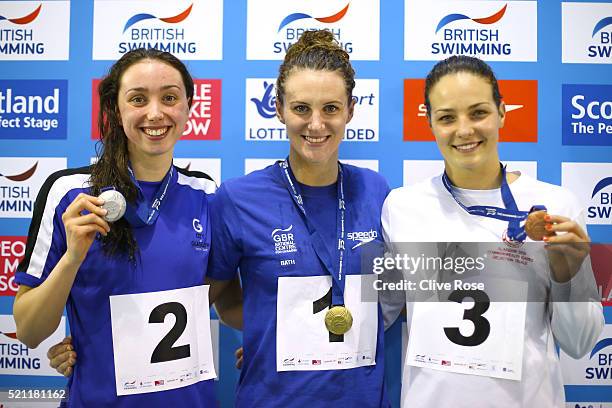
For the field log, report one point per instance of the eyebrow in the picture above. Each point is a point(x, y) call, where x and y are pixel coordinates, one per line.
point(469, 107)
point(143, 89)
point(324, 103)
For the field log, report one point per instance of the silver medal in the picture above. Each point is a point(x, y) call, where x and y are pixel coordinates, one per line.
point(114, 204)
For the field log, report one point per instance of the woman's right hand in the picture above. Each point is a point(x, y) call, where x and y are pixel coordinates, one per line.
point(239, 357)
point(62, 357)
point(83, 219)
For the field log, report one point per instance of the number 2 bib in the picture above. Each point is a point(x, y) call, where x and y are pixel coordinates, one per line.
point(302, 341)
point(469, 334)
point(161, 340)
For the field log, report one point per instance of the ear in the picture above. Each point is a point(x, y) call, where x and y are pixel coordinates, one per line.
point(502, 114)
point(351, 109)
point(279, 111)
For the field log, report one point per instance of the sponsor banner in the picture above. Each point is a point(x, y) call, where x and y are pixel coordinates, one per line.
point(519, 96)
point(490, 30)
point(188, 29)
point(33, 109)
point(12, 250)
point(586, 30)
point(212, 167)
point(20, 181)
point(204, 117)
point(17, 359)
point(416, 171)
point(592, 184)
point(587, 114)
point(34, 30)
point(601, 258)
point(263, 125)
point(251, 165)
point(272, 26)
point(593, 369)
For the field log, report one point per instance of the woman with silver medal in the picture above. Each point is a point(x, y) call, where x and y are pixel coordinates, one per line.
point(507, 358)
point(112, 242)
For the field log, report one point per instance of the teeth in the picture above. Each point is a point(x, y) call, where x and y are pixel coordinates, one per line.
point(467, 146)
point(155, 132)
point(315, 139)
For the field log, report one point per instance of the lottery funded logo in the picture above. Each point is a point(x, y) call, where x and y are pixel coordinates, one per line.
point(33, 109)
point(34, 30)
point(12, 250)
point(190, 30)
point(284, 241)
point(586, 32)
point(204, 121)
point(20, 181)
point(492, 30)
point(272, 26)
point(592, 183)
point(519, 96)
point(263, 125)
point(587, 114)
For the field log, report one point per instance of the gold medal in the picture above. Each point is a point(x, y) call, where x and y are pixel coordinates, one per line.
point(338, 320)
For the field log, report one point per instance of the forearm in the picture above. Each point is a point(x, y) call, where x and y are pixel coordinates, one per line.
point(38, 311)
point(227, 300)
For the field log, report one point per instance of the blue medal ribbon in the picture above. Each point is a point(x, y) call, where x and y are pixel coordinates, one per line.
point(511, 213)
point(321, 250)
point(143, 213)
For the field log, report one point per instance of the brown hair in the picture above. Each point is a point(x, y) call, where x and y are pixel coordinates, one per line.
point(111, 168)
point(461, 63)
point(317, 50)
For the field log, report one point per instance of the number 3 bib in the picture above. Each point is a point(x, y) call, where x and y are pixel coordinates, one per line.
point(302, 340)
point(161, 340)
point(469, 334)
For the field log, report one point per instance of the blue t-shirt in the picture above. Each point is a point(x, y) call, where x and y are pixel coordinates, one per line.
point(167, 259)
point(247, 210)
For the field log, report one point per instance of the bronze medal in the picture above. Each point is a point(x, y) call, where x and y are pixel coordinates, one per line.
point(535, 226)
point(338, 320)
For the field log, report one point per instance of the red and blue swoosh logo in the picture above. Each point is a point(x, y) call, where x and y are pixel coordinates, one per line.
point(494, 18)
point(601, 185)
point(606, 21)
point(143, 16)
point(299, 16)
point(25, 19)
point(23, 176)
point(600, 346)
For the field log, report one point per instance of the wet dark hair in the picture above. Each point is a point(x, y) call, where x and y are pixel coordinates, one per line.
point(317, 50)
point(111, 167)
point(461, 63)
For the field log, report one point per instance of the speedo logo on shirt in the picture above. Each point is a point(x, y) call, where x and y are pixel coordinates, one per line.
point(363, 237)
point(284, 242)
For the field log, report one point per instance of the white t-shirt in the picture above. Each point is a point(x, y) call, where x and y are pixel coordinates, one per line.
point(427, 212)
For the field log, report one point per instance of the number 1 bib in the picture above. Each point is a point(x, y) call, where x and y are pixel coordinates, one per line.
point(161, 340)
point(302, 340)
point(469, 334)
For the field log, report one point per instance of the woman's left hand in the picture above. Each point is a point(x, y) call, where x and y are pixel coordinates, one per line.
point(568, 248)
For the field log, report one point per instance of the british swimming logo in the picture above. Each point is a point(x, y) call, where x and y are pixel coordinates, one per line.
point(587, 32)
point(328, 20)
point(145, 16)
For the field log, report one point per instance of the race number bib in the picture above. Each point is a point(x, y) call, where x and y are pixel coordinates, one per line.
point(161, 340)
point(302, 340)
point(469, 334)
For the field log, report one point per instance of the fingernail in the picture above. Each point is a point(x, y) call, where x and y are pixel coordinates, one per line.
point(104, 211)
point(547, 218)
point(545, 239)
point(548, 227)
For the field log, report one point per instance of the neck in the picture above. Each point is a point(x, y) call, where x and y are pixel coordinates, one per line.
point(314, 174)
point(477, 178)
point(150, 170)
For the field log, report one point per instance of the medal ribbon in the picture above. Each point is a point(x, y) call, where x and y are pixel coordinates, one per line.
point(143, 213)
point(511, 213)
point(316, 239)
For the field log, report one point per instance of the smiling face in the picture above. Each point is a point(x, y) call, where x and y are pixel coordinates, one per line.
point(153, 109)
point(466, 121)
point(315, 109)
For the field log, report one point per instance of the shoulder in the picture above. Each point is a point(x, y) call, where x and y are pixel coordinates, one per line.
point(365, 180)
point(58, 184)
point(422, 190)
point(197, 180)
point(557, 199)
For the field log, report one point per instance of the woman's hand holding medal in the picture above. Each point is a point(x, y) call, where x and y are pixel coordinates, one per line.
point(83, 219)
point(567, 243)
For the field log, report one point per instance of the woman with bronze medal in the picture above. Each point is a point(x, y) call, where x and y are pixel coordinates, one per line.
point(507, 357)
point(122, 244)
